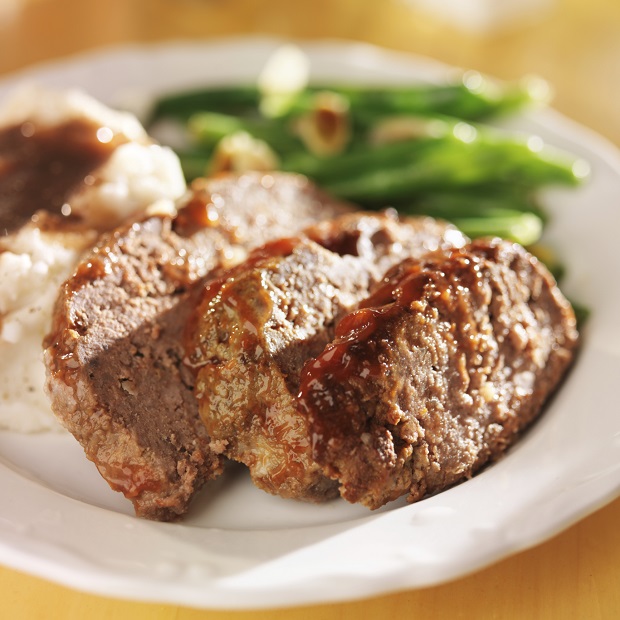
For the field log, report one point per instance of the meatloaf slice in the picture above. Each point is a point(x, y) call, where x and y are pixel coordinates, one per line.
point(437, 373)
point(114, 354)
point(260, 322)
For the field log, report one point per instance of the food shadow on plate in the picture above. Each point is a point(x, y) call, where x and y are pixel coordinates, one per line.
point(232, 502)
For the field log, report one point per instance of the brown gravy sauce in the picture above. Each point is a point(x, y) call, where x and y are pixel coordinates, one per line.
point(199, 213)
point(217, 288)
point(273, 249)
point(40, 167)
point(407, 283)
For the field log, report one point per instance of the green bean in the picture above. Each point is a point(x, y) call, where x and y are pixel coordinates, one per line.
point(482, 218)
point(523, 228)
point(227, 99)
point(367, 103)
point(356, 162)
point(475, 201)
point(210, 127)
point(395, 171)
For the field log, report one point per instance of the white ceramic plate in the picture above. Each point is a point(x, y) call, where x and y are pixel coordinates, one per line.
point(241, 548)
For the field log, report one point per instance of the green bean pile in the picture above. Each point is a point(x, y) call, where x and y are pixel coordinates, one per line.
point(422, 149)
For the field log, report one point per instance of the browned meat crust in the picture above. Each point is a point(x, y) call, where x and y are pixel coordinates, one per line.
point(438, 372)
point(114, 355)
point(259, 323)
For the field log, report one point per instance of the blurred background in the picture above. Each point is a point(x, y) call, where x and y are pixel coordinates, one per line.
point(574, 44)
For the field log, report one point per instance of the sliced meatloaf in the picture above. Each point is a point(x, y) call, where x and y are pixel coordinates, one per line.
point(114, 355)
point(437, 373)
point(258, 324)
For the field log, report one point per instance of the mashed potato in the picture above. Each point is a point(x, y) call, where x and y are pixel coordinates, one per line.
point(31, 270)
point(33, 263)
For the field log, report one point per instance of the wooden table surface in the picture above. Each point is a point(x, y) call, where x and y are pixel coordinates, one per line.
point(576, 46)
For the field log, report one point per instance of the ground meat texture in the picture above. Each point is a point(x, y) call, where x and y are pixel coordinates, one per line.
point(258, 324)
point(437, 373)
point(114, 355)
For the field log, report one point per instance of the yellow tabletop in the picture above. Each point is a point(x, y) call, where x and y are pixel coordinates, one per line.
point(576, 46)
